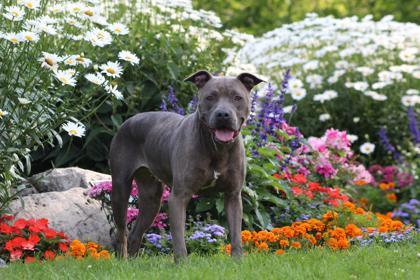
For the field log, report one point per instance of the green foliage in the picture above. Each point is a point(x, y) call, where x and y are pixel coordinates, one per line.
point(168, 53)
point(260, 16)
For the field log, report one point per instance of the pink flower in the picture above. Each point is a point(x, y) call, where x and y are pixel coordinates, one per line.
point(132, 214)
point(134, 189)
point(337, 139)
point(361, 174)
point(325, 168)
point(166, 193)
point(160, 220)
point(317, 144)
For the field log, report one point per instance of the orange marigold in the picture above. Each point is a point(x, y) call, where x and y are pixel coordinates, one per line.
point(263, 246)
point(105, 254)
point(279, 252)
point(391, 197)
point(284, 243)
point(228, 249)
point(296, 245)
point(246, 236)
point(329, 216)
point(352, 230)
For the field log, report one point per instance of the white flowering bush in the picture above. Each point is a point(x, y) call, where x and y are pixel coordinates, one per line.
point(352, 74)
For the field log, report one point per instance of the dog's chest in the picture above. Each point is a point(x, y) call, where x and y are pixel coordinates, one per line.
point(212, 181)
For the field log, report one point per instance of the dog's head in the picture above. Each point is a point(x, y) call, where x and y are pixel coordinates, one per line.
point(223, 102)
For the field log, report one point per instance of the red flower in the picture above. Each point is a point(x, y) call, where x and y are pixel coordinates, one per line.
point(276, 175)
point(296, 191)
point(5, 228)
point(9, 246)
point(34, 239)
point(309, 194)
point(62, 246)
point(49, 233)
point(20, 223)
point(49, 255)
point(299, 179)
point(62, 235)
point(27, 245)
point(34, 229)
point(15, 255)
point(17, 242)
point(6, 217)
point(29, 259)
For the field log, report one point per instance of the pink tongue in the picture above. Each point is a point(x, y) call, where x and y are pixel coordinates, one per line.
point(224, 135)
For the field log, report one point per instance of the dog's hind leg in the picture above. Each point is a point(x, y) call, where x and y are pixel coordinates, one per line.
point(121, 188)
point(150, 194)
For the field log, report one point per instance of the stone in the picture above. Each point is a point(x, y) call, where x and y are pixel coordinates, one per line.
point(62, 179)
point(71, 212)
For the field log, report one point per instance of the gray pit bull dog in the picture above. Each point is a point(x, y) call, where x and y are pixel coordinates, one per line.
point(188, 153)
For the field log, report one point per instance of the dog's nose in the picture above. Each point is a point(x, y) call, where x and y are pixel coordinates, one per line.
point(222, 115)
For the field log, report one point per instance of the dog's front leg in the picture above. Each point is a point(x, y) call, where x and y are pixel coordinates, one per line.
point(233, 208)
point(178, 201)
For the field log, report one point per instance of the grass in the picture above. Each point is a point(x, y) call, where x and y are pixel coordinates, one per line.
point(373, 262)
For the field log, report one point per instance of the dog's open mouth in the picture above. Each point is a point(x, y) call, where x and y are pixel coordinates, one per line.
point(225, 135)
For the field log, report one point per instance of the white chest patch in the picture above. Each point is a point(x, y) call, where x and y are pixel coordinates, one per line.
point(213, 182)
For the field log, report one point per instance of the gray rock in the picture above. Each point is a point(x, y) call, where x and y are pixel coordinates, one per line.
point(72, 212)
point(2, 263)
point(62, 179)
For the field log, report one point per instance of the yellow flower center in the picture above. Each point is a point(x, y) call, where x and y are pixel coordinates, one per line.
point(89, 13)
point(64, 80)
point(28, 37)
point(29, 5)
point(15, 14)
point(72, 132)
point(117, 30)
point(14, 40)
point(110, 70)
point(49, 61)
point(1, 115)
point(69, 61)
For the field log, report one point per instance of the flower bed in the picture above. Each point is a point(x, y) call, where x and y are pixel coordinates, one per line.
point(337, 231)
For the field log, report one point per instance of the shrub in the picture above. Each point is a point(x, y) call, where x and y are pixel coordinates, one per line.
point(354, 75)
point(52, 75)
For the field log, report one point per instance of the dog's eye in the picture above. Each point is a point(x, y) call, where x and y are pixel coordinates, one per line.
point(210, 98)
point(237, 98)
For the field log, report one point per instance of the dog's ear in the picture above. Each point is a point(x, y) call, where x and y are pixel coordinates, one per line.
point(199, 78)
point(249, 80)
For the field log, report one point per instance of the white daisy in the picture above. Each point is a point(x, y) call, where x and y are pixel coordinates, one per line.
point(111, 69)
point(66, 77)
point(85, 62)
point(412, 91)
point(356, 119)
point(360, 86)
point(324, 117)
point(287, 109)
point(367, 148)
point(3, 113)
point(74, 129)
point(128, 56)
point(50, 60)
point(352, 138)
point(118, 28)
point(28, 36)
point(410, 100)
point(30, 4)
point(114, 91)
point(96, 78)
point(14, 13)
point(408, 55)
point(70, 60)
point(13, 38)
point(98, 37)
point(298, 94)
point(294, 84)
